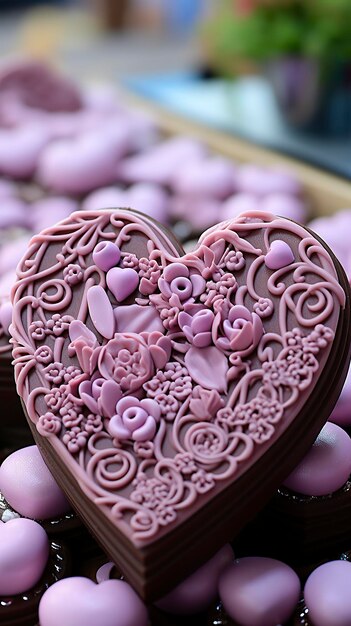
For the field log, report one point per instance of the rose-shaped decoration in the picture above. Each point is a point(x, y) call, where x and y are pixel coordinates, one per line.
point(73, 274)
point(242, 330)
point(126, 359)
point(48, 424)
point(179, 284)
point(100, 396)
point(197, 327)
point(135, 419)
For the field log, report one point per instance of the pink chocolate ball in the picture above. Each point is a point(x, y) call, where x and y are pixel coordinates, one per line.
point(239, 203)
point(327, 594)
point(326, 466)
point(80, 602)
point(24, 552)
point(341, 414)
point(198, 590)
point(285, 205)
point(258, 591)
point(29, 486)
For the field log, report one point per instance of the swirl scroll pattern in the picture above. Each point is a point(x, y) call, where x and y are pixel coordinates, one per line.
point(160, 378)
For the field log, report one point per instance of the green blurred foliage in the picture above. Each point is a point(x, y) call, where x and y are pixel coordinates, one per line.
point(271, 28)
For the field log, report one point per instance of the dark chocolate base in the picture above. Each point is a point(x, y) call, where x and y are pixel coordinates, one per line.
point(293, 527)
point(14, 431)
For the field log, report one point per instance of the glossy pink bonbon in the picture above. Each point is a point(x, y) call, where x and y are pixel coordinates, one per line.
point(80, 602)
point(258, 591)
point(327, 465)
point(29, 486)
point(200, 589)
point(24, 552)
point(327, 594)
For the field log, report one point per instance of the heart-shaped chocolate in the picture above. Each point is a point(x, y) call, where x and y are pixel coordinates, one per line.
point(171, 417)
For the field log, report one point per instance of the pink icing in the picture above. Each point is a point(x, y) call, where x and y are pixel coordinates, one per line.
point(327, 594)
point(80, 602)
point(199, 590)
point(327, 465)
point(29, 486)
point(221, 405)
point(24, 551)
point(258, 591)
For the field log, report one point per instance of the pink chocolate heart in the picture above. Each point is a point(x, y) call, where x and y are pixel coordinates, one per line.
point(80, 602)
point(185, 394)
point(24, 551)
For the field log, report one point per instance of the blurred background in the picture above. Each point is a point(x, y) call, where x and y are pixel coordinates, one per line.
point(191, 111)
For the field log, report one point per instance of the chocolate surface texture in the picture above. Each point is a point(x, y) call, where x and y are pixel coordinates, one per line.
point(171, 395)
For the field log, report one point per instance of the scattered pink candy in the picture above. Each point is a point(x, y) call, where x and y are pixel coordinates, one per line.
point(327, 594)
point(258, 591)
point(326, 466)
point(29, 486)
point(80, 602)
point(24, 552)
point(198, 591)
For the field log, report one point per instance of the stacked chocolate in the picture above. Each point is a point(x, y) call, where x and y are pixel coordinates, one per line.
point(170, 394)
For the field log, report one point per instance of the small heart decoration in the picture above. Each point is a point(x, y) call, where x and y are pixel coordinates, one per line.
point(171, 418)
point(122, 282)
point(279, 255)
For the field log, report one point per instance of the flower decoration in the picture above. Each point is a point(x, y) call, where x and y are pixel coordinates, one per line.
point(178, 284)
point(197, 328)
point(242, 330)
point(135, 419)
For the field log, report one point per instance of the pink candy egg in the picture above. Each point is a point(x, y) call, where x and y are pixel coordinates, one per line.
point(212, 177)
point(48, 211)
point(239, 203)
point(200, 589)
point(80, 602)
point(327, 594)
point(327, 465)
point(5, 316)
point(6, 283)
point(285, 205)
point(20, 149)
point(79, 165)
point(29, 487)
point(7, 189)
point(200, 212)
point(258, 591)
point(105, 198)
point(13, 213)
point(341, 414)
point(263, 180)
point(24, 552)
point(149, 199)
point(11, 254)
point(158, 164)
